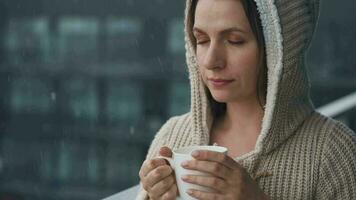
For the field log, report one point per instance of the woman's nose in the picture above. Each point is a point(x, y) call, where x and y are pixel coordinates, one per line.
point(214, 58)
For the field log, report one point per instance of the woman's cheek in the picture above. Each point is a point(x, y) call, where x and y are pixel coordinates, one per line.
point(203, 77)
point(201, 70)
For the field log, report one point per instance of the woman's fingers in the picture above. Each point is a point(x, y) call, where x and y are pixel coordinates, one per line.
point(149, 165)
point(205, 195)
point(215, 157)
point(210, 167)
point(156, 176)
point(155, 173)
point(171, 194)
point(165, 151)
point(162, 186)
point(212, 182)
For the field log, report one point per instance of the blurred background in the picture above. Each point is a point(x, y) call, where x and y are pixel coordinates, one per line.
point(85, 85)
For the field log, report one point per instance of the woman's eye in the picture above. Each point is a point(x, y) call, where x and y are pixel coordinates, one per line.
point(236, 42)
point(202, 42)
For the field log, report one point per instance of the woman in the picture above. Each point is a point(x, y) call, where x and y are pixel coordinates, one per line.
point(279, 146)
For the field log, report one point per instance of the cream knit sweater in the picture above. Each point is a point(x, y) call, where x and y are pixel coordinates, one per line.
point(299, 153)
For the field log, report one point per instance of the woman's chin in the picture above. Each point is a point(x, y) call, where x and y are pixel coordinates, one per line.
point(221, 98)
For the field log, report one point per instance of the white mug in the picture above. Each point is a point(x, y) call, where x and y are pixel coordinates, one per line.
point(184, 154)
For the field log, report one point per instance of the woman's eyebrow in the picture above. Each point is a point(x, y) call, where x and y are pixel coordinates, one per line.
point(225, 31)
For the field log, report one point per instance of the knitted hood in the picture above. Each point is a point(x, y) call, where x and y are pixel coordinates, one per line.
point(288, 26)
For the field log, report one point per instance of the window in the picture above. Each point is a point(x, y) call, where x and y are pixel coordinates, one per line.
point(122, 38)
point(82, 99)
point(124, 102)
point(180, 98)
point(77, 40)
point(176, 32)
point(27, 40)
point(30, 95)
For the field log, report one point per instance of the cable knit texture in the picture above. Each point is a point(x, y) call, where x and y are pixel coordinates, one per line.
point(299, 153)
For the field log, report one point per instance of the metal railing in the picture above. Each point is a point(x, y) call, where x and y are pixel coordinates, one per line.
point(128, 194)
point(339, 106)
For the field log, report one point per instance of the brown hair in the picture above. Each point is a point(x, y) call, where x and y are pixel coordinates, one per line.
point(219, 109)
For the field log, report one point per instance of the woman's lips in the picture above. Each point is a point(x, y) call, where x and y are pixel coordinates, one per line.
point(219, 82)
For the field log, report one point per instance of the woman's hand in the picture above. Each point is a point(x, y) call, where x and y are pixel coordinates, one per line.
point(157, 177)
point(229, 180)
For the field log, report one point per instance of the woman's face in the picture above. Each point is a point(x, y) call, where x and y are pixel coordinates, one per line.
point(227, 50)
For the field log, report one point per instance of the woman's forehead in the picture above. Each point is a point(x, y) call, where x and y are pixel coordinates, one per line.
point(219, 15)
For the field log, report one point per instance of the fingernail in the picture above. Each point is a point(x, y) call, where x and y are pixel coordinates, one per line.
point(195, 153)
point(184, 164)
point(184, 177)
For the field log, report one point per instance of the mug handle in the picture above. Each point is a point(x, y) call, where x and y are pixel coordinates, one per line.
point(168, 159)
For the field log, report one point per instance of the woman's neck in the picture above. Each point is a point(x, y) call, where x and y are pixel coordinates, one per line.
point(239, 128)
point(243, 117)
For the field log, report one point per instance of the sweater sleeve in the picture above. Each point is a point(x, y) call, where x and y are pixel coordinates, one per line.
point(159, 140)
point(337, 170)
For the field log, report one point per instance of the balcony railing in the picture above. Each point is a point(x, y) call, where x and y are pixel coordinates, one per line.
point(340, 106)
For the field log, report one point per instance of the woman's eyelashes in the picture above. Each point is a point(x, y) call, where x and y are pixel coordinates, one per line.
point(236, 42)
point(200, 42)
point(232, 42)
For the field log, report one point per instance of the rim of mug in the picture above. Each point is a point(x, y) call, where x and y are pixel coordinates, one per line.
point(219, 149)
